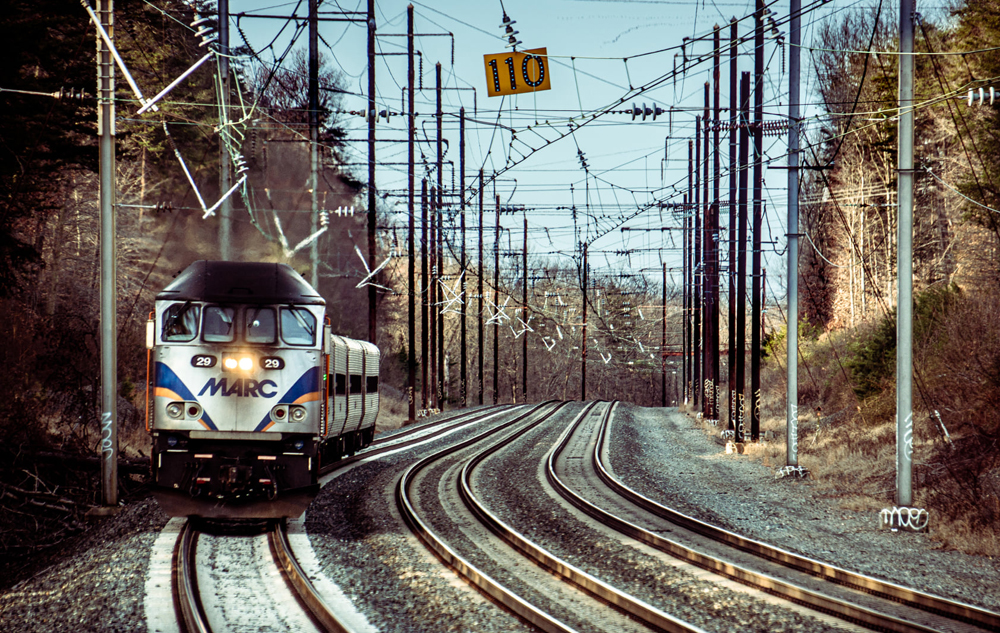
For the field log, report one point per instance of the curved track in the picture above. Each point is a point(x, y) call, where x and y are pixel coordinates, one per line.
point(888, 606)
point(604, 592)
point(192, 614)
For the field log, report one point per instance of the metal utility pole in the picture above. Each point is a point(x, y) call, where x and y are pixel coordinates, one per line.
point(432, 297)
point(524, 313)
point(792, 408)
point(314, 141)
point(463, 381)
point(708, 396)
point(758, 212)
point(686, 285)
point(697, 270)
point(496, 303)
point(441, 393)
point(904, 262)
point(423, 296)
point(372, 306)
point(713, 233)
point(109, 264)
point(411, 207)
point(733, 187)
point(583, 340)
point(482, 341)
point(226, 209)
point(741, 259)
point(663, 343)
point(439, 261)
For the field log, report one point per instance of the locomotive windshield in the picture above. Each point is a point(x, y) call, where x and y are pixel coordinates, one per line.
point(180, 322)
point(298, 326)
point(259, 325)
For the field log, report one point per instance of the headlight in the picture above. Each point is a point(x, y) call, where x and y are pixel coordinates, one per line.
point(297, 414)
point(230, 363)
point(246, 363)
point(175, 410)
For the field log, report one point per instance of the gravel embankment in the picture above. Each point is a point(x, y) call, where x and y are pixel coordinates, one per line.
point(509, 483)
point(669, 458)
point(364, 547)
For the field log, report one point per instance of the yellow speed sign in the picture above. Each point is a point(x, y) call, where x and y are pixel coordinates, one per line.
point(517, 72)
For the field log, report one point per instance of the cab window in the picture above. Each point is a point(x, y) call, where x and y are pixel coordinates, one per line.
point(298, 326)
point(180, 322)
point(260, 326)
point(218, 325)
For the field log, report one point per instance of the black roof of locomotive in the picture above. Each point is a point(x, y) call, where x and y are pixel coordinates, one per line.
point(240, 282)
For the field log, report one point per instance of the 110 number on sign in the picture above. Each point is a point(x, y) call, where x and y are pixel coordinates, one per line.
point(515, 73)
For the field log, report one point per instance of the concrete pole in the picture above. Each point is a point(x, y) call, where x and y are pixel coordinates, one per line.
point(314, 141)
point(792, 409)
point(108, 273)
point(904, 263)
point(226, 209)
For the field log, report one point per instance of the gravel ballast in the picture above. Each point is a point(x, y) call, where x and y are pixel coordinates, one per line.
point(363, 546)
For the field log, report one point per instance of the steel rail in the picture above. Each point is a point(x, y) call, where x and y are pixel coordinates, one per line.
point(393, 442)
point(967, 613)
point(300, 583)
point(781, 588)
point(568, 572)
point(191, 614)
point(486, 584)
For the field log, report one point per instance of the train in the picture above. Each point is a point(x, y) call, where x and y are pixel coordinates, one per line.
point(250, 392)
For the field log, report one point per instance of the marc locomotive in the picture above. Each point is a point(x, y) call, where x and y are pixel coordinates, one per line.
point(250, 391)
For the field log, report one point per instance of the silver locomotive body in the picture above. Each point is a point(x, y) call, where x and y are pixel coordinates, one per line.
point(243, 405)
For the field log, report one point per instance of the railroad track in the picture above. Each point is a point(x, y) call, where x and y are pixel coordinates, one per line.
point(193, 615)
point(854, 597)
point(536, 615)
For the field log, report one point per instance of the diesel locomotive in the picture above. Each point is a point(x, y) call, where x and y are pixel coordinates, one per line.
point(250, 392)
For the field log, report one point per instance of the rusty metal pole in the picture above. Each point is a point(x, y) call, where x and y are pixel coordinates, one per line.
point(524, 314)
point(583, 340)
point(411, 207)
point(424, 364)
point(372, 304)
point(463, 381)
point(482, 339)
point(496, 302)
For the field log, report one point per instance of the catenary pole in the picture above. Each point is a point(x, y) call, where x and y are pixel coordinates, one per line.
point(583, 340)
point(697, 272)
point(424, 342)
point(482, 341)
point(463, 380)
point(741, 259)
point(314, 141)
point(758, 210)
point(496, 303)
point(713, 237)
point(708, 393)
point(792, 400)
point(733, 214)
point(904, 262)
point(109, 277)
point(439, 248)
point(226, 208)
point(663, 341)
point(432, 297)
point(372, 219)
point(411, 207)
point(524, 314)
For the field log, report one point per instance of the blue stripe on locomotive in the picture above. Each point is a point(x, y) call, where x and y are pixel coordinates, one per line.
point(167, 379)
point(307, 384)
